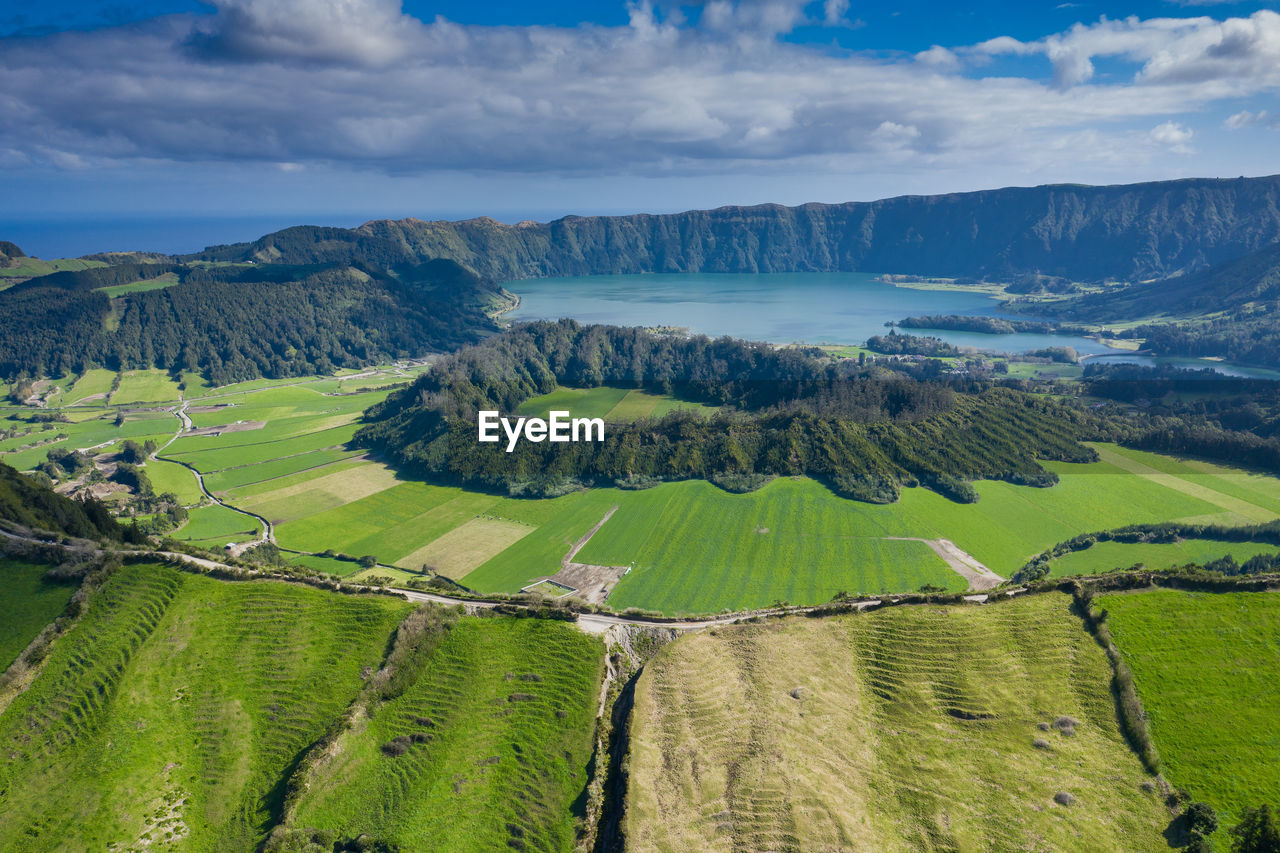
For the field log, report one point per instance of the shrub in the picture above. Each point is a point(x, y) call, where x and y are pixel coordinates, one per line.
point(1201, 819)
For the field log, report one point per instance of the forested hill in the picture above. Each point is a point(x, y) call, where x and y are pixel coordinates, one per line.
point(9, 252)
point(786, 412)
point(26, 502)
point(238, 323)
point(1231, 286)
point(1130, 232)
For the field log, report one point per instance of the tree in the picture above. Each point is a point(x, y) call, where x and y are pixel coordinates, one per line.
point(1257, 832)
point(1202, 821)
point(368, 561)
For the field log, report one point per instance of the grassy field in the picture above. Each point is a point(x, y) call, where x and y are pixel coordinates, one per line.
point(697, 548)
point(1207, 668)
point(28, 603)
point(1106, 556)
point(90, 384)
point(213, 526)
point(507, 709)
point(615, 405)
point(908, 729)
point(145, 386)
point(32, 267)
point(281, 452)
point(158, 283)
point(170, 715)
point(172, 477)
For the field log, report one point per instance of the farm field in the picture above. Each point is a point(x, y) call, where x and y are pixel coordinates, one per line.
point(504, 709)
point(158, 283)
point(615, 405)
point(213, 526)
point(911, 728)
point(1207, 668)
point(279, 451)
point(1105, 556)
point(170, 716)
point(32, 267)
point(145, 386)
point(697, 548)
point(91, 383)
point(28, 603)
point(175, 479)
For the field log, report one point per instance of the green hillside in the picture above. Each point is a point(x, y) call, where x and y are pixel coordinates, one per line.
point(171, 715)
point(29, 602)
point(1207, 668)
point(27, 503)
point(487, 748)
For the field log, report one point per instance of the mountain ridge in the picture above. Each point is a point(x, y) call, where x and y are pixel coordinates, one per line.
point(1123, 231)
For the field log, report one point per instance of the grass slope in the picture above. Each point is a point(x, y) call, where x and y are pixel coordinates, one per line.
point(508, 707)
point(1207, 668)
point(28, 603)
point(171, 713)
point(145, 386)
point(1105, 556)
point(902, 730)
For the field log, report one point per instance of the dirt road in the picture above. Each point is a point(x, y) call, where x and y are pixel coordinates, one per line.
point(963, 563)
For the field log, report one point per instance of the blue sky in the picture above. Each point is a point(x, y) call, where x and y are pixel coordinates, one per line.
point(344, 110)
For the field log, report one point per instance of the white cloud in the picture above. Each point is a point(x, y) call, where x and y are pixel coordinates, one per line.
point(364, 32)
point(939, 57)
point(357, 82)
point(1174, 135)
point(833, 12)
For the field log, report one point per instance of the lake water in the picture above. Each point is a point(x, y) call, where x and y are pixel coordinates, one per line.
point(812, 308)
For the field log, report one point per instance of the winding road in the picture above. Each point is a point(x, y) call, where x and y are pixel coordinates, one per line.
point(185, 426)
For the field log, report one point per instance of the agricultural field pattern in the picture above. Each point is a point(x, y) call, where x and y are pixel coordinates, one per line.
point(277, 451)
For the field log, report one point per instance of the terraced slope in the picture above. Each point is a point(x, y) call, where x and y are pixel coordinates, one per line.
point(1207, 668)
point(170, 715)
point(907, 729)
point(497, 736)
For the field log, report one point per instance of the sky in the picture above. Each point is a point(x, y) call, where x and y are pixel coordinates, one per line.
point(261, 113)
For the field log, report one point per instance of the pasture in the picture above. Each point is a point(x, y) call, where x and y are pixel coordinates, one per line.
point(213, 526)
point(1106, 556)
point(278, 448)
point(911, 728)
point(29, 603)
point(158, 283)
point(498, 730)
point(696, 548)
point(95, 383)
point(145, 386)
point(172, 713)
point(615, 405)
point(1207, 668)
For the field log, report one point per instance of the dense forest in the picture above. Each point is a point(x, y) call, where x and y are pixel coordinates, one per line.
point(984, 325)
point(236, 323)
point(24, 501)
point(1196, 413)
point(786, 411)
point(1133, 232)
